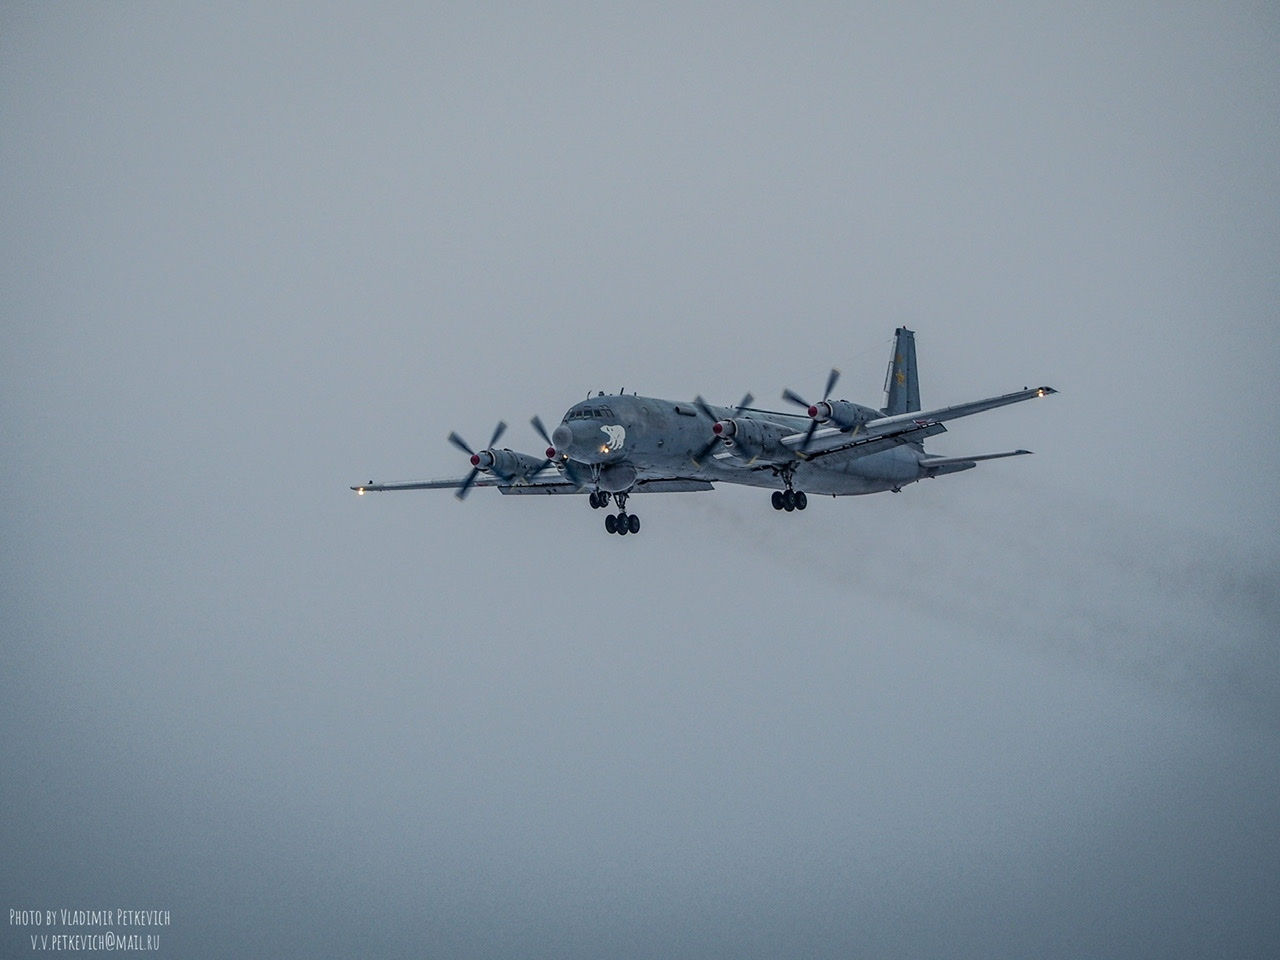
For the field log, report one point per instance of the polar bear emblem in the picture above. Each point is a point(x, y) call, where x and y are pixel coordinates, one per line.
point(617, 436)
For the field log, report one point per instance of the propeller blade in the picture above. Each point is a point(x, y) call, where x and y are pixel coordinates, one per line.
point(752, 453)
point(498, 431)
point(808, 436)
point(466, 484)
point(533, 473)
point(461, 444)
point(542, 431)
point(793, 397)
point(832, 377)
point(706, 412)
point(702, 454)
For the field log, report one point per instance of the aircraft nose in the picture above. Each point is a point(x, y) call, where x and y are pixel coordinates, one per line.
point(562, 438)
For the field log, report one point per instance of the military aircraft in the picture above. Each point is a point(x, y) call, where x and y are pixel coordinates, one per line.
point(612, 446)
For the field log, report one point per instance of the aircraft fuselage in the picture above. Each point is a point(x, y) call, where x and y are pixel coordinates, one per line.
point(626, 438)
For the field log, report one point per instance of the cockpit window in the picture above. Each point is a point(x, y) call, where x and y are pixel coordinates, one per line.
point(589, 413)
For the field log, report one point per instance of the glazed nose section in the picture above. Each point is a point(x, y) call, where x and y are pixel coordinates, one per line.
point(586, 441)
point(562, 438)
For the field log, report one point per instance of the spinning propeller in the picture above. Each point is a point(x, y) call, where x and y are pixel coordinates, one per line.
point(484, 460)
point(812, 409)
point(506, 465)
point(717, 428)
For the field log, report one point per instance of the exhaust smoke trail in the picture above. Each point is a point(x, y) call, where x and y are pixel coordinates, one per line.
point(1109, 591)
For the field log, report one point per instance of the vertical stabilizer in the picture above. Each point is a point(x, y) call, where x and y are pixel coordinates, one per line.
point(901, 382)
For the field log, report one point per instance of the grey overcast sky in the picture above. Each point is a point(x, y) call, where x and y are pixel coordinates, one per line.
point(253, 253)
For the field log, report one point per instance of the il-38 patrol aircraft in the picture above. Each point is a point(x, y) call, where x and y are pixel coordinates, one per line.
point(611, 446)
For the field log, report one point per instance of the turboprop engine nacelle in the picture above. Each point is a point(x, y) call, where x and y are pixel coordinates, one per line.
point(755, 437)
point(507, 464)
point(842, 413)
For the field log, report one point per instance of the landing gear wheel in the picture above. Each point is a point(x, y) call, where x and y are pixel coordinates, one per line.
point(621, 522)
point(789, 500)
point(594, 499)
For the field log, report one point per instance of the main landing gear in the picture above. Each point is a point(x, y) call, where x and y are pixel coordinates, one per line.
point(620, 523)
point(789, 499)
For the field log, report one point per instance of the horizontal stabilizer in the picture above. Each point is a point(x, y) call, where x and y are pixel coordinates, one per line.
point(951, 461)
point(864, 446)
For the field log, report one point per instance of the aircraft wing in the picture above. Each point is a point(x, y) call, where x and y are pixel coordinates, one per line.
point(889, 424)
point(548, 481)
point(544, 477)
point(657, 485)
point(375, 487)
point(880, 434)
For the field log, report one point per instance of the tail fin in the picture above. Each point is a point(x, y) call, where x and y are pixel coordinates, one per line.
point(901, 382)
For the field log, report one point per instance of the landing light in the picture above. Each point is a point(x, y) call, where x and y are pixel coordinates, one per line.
point(360, 491)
